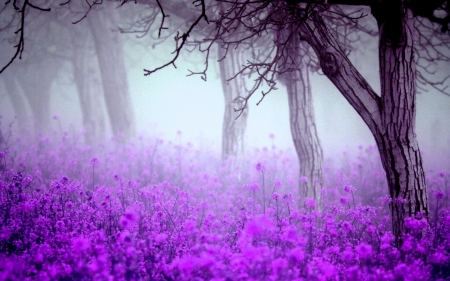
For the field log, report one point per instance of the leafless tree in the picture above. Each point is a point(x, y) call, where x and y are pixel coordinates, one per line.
point(390, 115)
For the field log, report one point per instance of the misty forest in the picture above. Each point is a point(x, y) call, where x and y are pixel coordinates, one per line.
point(224, 140)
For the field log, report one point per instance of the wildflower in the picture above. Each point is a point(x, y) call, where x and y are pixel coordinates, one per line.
point(343, 200)
point(364, 250)
point(80, 244)
point(407, 245)
point(348, 188)
point(277, 184)
point(65, 180)
point(309, 202)
point(55, 117)
point(279, 265)
point(439, 194)
point(259, 167)
point(253, 186)
point(371, 229)
point(2, 154)
point(296, 254)
point(93, 161)
point(347, 226)
point(271, 136)
point(276, 196)
point(131, 215)
point(303, 179)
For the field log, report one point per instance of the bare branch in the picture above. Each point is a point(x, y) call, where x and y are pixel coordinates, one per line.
point(183, 38)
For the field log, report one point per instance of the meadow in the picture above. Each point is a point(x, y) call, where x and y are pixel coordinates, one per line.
point(153, 209)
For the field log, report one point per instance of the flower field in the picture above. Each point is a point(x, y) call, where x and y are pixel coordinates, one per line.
point(159, 210)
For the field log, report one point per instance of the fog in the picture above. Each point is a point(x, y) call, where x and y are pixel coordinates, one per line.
point(168, 101)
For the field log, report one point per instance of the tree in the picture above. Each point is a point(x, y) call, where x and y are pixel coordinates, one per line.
point(87, 80)
point(109, 52)
point(233, 130)
point(26, 16)
point(302, 121)
point(390, 115)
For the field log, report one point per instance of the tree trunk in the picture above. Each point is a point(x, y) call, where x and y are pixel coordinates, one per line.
point(295, 76)
point(391, 117)
point(397, 143)
point(232, 130)
point(87, 80)
point(36, 80)
point(112, 67)
point(304, 133)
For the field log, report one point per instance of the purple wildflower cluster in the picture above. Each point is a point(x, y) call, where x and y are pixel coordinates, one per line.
point(160, 211)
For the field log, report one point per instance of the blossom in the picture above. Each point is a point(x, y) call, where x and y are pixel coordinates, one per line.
point(80, 244)
point(303, 179)
point(343, 200)
point(94, 161)
point(439, 194)
point(364, 250)
point(348, 188)
point(277, 184)
point(276, 196)
point(271, 136)
point(253, 186)
point(309, 202)
point(259, 167)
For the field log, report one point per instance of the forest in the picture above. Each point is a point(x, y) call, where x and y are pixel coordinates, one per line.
point(102, 178)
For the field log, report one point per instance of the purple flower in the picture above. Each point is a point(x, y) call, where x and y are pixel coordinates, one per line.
point(80, 244)
point(303, 179)
point(253, 186)
point(364, 250)
point(94, 161)
point(309, 202)
point(343, 200)
point(277, 184)
point(439, 194)
point(276, 196)
point(348, 188)
point(259, 167)
point(271, 136)
point(2, 154)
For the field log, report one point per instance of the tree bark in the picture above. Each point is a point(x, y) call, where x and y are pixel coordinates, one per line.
point(401, 156)
point(303, 125)
point(36, 80)
point(87, 80)
point(232, 130)
point(391, 117)
point(113, 73)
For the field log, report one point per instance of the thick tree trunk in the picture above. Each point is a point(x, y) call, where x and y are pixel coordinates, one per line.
point(397, 142)
point(112, 67)
point(391, 117)
point(232, 130)
point(87, 80)
point(303, 126)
